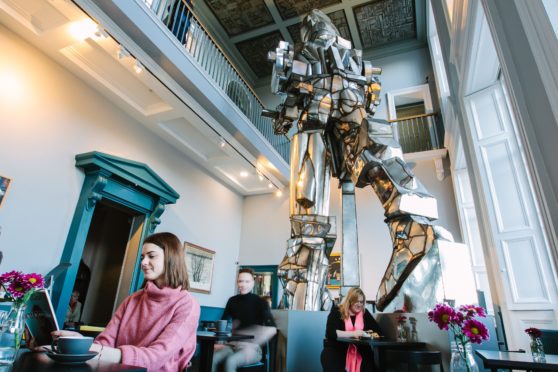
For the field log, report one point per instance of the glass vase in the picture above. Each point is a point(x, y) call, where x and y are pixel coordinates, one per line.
point(11, 332)
point(462, 359)
point(401, 334)
point(537, 350)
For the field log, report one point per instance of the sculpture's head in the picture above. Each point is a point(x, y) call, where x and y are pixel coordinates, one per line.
point(316, 25)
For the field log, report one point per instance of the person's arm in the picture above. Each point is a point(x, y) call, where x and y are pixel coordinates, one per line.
point(107, 338)
point(335, 326)
point(266, 314)
point(77, 316)
point(227, 313)
point(339, 327)
point(182, 327)
point(351, 334)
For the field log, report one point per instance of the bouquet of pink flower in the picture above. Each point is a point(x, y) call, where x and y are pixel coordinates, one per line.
point(462, 322)
point(19, 287)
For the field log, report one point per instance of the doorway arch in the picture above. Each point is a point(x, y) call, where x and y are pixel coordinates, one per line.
point(123, 182)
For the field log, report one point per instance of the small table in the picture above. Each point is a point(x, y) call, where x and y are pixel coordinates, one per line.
point(504, 359)
point(207, 341)
point(39, 361)
point(379, 345)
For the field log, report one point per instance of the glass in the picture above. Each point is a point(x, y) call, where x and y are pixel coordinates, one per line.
point(462, 359)
point(537, 349)
point(401, 333)
point(11, 331)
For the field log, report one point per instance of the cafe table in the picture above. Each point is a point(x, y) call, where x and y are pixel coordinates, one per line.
point(494, 359)
point(379, 345)
point(207, 342)
point(38, 361)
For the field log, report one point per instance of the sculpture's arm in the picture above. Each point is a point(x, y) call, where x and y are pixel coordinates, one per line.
point(288, 78)
point(373, 92)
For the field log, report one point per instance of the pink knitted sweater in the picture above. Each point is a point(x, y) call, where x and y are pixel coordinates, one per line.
point(154, 328)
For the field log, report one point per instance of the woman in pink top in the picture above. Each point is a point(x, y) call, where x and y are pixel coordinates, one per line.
point(155, 327)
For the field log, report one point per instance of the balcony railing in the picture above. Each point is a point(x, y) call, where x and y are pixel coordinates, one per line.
point(200, 45)
point(419, 133)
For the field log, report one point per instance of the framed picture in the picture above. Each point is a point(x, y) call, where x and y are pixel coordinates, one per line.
point(4, 184)
point(199, 262)
point(334, 270)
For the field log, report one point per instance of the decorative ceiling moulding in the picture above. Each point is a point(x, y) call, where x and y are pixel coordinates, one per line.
point(239, 16)
point(293, 8)
point(339, 19)
point(384, 22)
point(254, 51)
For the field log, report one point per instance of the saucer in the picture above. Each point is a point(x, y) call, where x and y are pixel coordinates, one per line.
point(225, 333)
point(71, 358)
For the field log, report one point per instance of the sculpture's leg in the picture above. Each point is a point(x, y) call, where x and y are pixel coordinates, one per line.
point(303, 271)
point(350, 267)
point(409, 208)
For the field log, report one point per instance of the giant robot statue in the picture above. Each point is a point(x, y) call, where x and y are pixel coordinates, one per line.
point(330, 94)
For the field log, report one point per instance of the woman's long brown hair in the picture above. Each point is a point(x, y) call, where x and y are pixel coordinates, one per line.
point(176, 273)
point(350, 299)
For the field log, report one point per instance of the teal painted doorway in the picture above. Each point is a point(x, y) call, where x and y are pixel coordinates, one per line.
point(112, 182)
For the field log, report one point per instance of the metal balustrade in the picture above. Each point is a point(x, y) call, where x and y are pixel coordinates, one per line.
point(178, 17)
point(419, 133)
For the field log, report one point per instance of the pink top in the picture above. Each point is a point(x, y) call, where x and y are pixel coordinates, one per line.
point(154, 328)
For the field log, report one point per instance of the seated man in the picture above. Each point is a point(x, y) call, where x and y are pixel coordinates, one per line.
point(250, 314)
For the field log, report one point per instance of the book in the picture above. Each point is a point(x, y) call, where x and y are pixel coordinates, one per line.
point(40, 318)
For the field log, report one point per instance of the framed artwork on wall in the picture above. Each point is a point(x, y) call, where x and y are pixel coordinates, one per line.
point(4, 185)
point(334, 270)
point(199, 262)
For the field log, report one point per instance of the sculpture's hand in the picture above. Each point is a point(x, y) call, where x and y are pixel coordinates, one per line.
point(281, 125)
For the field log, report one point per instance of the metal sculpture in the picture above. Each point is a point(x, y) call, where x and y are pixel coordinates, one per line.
point(330, 94)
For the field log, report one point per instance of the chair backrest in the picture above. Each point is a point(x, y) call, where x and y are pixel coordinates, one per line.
point(549, 339)
point(414, 358)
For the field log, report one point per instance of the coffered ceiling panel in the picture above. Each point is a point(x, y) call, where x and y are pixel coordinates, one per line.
point(293, 8)
point(238, 16)
point(246, 29)
point(385, 21)
point(255, 51)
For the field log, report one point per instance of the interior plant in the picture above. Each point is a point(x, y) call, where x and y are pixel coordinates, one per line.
point(17, 288)
point(536, 344)
point(466, 329)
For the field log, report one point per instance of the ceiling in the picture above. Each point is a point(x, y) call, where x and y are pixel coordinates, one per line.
point(99, 61)
point(248, 29)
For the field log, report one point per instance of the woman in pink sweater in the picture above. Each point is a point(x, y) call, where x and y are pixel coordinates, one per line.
point(155, 327)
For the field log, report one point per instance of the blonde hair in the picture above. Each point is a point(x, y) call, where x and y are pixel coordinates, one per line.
point(350, 299)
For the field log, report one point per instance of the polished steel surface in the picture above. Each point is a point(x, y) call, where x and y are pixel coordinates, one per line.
point(331, 94)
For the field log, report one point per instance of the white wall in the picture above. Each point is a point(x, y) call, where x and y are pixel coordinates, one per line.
point(266, 228)
point(47, 116)
point(403, 70)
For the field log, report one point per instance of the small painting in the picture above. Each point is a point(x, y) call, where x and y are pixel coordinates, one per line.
point(199, 262)
point(4, 185)
point(334, 271)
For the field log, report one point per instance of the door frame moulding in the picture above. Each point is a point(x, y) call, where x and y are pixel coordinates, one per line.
point(124, 182)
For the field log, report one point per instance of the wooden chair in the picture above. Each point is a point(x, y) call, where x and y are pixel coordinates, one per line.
point(413, 358)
